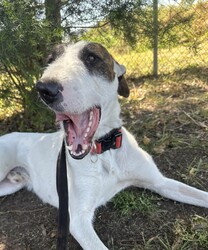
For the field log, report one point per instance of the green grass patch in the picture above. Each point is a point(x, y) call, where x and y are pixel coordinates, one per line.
point(128, 202)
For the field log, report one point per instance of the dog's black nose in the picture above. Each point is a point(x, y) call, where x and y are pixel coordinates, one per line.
point(49, 91)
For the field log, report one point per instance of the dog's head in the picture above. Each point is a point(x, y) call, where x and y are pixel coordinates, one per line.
point(79, 81)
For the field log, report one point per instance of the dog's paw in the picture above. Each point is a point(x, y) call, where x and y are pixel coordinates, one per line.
point(18, 175)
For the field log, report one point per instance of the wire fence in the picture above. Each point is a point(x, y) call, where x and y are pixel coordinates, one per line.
point(178, 39)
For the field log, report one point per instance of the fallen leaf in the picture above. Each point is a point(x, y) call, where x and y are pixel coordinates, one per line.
point(159, 149)
point(146, 140)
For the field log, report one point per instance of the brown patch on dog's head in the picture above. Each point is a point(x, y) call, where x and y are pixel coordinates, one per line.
point(98, 61)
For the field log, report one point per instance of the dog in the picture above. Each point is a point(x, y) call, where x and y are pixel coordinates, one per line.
point(81, 85)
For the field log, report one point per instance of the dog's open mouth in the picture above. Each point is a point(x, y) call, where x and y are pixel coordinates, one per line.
point(80, 129)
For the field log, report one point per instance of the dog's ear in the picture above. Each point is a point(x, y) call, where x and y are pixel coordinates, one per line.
point(56, 52)
point(123, 88)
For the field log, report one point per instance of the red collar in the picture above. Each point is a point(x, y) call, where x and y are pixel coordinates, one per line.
point(112, 140)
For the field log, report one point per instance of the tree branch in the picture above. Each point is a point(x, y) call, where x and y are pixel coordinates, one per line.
point(88, 27)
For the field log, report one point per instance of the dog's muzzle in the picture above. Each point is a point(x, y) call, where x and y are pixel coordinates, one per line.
point(50, 91)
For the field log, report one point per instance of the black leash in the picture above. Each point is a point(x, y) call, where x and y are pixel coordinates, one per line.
point(62, 189)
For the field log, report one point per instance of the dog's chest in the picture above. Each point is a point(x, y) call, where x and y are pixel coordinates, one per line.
point(103, 165)
point(97, 175)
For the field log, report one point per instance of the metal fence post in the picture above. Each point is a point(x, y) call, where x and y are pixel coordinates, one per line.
point(155, 38)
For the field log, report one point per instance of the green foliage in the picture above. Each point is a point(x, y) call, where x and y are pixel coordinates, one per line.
point(125, 23)
point(183, 24)
point(123, 17)
point(24, 38)
point(131, 25)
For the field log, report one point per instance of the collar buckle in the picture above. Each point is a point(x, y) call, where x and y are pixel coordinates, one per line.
point(112, 140)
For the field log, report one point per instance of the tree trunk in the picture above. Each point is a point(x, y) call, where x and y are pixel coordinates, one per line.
point(53, 16)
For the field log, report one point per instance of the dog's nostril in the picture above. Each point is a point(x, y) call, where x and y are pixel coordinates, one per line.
point(39, 85)
point(49, 90)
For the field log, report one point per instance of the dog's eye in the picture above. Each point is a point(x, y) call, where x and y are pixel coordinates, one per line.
point(91, 58)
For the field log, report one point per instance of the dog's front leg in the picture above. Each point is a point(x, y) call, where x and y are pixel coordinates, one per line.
point(82, 205)
point(82, 230)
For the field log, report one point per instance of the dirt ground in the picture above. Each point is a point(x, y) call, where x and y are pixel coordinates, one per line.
point(28, 224)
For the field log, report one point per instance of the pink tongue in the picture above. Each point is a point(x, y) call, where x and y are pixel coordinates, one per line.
point(81, 128)
point(76, 128)
point(79, 123)
point(77, 131)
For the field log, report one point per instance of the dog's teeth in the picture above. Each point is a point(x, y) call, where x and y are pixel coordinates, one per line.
point(90, 124)
point(91, 115)
point(83, 152)
point(88, 129)
point(70, 147)
point(76, 154)
point(85, 146)
point(85, 135)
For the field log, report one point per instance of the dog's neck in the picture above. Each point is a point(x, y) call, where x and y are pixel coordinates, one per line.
point(110, 120)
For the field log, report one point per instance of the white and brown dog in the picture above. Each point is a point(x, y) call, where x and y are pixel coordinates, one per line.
point(81, 84)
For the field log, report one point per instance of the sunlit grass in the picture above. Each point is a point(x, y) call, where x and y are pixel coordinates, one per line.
point(169, 60)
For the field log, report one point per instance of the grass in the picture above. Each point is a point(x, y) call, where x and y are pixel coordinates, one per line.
point(128, 202)
point(172, 94)
point(192, 233)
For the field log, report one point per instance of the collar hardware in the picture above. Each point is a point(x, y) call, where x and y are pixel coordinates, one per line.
point(112, 140)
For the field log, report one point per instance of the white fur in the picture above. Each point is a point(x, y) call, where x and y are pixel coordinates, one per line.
point(95, 179)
